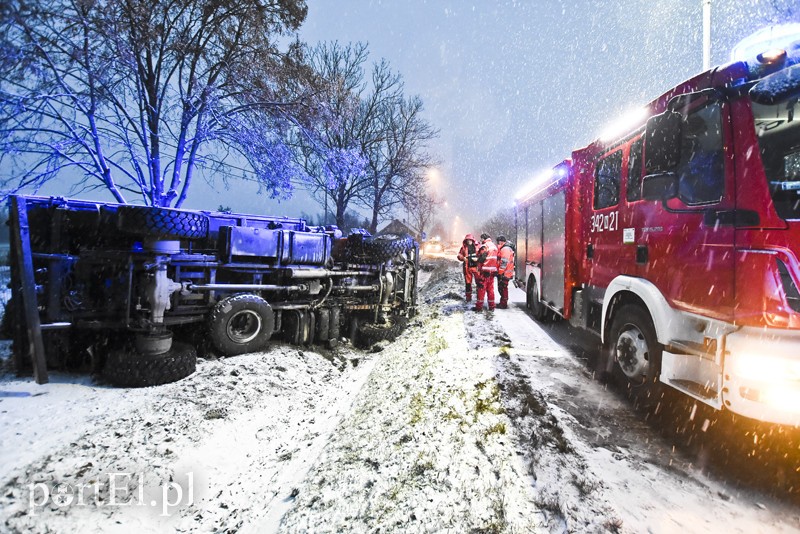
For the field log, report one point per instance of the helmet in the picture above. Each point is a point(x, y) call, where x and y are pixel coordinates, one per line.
point(501, 238)
point(485, 236)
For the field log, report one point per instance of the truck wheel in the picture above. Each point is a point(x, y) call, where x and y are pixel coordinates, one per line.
point(370, 333)
point(241, 323)
point(8, 324)
point(384, 247)
point(163, 223)
point(636, 353)
point(128, 368)
point(533, 302)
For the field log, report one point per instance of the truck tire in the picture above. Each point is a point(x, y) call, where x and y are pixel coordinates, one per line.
point(163, 223)
point(636, 354)
point(8, 324)
point(370, 333)
point(383, 247)
point(127, 368)
point(240, 324)
point(534, 302)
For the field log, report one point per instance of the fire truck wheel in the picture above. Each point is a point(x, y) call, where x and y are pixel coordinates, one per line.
point(370, 333)
point(533, 301)
point(162, 223)
point(636, 352)
point(126, 367)
point(240, 324)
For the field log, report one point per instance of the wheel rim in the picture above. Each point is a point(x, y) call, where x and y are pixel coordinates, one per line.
point(632, 353)
point(244, 326)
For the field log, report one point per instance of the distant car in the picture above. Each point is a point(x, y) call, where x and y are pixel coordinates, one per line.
point(433, 246)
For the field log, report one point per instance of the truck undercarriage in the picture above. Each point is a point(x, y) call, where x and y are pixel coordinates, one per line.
point(113, 284)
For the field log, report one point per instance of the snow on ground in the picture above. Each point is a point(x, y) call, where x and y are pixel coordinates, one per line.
point(469, 422)
point(242, 428)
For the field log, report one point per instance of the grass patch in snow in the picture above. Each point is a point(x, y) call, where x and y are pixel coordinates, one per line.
point(613, 525)
point(497, 428)
point(584, 484)
point(417, 408)
point(436, 343)
point(487, 399)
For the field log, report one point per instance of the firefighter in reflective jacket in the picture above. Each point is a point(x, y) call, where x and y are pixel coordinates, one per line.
point(487, 271)
point(505, 269)
point(468, 256)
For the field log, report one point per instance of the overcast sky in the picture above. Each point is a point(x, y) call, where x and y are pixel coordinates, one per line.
point(515, 86)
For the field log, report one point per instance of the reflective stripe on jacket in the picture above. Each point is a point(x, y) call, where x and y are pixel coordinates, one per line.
point(505, 258)
point(487, 257)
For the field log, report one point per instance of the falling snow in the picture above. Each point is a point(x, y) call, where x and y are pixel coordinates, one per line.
point(468, 422)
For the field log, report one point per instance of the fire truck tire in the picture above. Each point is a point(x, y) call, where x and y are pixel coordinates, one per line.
point(128, 368)
point(636, 353)
point(370, 333)
point(240, 324)
point(533, 302)
point(162, 223)
point(384, 247)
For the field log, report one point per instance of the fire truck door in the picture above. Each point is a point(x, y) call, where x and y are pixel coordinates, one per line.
point(683, 245)
point(608, 255)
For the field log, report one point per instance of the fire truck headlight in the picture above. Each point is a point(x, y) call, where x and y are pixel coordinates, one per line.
point(760, 368)
point(781, 397)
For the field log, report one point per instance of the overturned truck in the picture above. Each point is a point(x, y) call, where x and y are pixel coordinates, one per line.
point(111, 285)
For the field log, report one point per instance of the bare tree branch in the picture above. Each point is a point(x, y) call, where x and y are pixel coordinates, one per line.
point(134, 92)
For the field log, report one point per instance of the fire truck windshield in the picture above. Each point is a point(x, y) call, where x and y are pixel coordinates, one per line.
point(778, 131)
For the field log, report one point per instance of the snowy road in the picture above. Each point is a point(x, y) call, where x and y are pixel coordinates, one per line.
point(469, 422)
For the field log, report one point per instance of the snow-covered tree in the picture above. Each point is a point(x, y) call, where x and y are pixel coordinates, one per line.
point(134, 96)
point(422, 205)
point(502, 223)
point(367, 144)
point(331, 149)
point(398, 158)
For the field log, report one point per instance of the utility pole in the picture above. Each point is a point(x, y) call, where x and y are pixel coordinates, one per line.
point(706, 35)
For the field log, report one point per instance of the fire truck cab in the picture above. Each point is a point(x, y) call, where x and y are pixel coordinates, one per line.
point(677, 240)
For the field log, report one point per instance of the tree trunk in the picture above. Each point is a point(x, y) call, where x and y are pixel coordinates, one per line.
point(341, 207)
point(373, 226)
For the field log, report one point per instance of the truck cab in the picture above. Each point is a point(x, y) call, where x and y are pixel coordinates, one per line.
point(682, 236)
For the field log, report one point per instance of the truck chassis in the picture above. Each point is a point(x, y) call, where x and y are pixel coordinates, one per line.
point(111, 285)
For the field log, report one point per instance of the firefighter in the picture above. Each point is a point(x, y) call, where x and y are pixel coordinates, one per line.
point(468, 256)
point(487, 271)
point(505, 269)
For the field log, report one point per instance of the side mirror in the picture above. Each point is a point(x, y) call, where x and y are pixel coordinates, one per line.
point(662, 149)
point(660, 186)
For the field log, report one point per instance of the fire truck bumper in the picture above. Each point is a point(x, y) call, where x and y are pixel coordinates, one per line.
point(761, 377)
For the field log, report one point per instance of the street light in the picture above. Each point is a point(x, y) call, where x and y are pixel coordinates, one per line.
point(434, 178)
point(706, 35)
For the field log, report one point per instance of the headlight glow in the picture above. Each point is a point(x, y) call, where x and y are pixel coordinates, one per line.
point(782, 398)
point(765, 368)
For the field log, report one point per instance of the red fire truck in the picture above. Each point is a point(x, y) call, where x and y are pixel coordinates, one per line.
point(678, 240)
